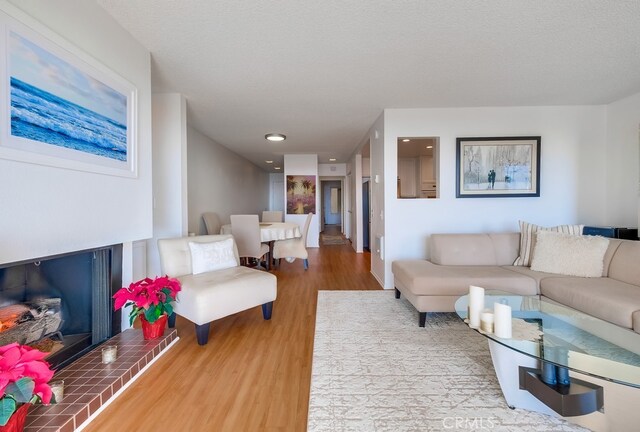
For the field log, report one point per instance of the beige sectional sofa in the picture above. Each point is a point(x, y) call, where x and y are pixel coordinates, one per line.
point(459, 260)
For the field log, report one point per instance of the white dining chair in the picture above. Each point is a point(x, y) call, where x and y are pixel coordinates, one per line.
point(272, 216)
point(294, 248)
point(211, 223)
point(246, 232)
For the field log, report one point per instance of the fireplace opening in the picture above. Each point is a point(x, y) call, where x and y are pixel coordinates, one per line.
point(61, 304)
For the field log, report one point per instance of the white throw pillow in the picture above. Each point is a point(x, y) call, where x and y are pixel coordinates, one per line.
point(212, 256)
point(528, 239)
point(570, 255)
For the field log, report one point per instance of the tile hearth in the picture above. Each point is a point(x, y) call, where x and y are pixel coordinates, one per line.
point(89, 384)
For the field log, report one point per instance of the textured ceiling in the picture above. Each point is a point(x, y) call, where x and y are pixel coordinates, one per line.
point(321, 72)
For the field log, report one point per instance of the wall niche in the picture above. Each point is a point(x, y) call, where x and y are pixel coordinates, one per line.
point(418, 167)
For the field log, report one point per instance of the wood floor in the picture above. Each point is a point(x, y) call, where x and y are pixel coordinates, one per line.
point(253, 375)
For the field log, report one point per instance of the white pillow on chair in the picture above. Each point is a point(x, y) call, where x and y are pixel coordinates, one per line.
point(206, 257)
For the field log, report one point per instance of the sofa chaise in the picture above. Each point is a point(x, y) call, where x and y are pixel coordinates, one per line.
point(459, 260)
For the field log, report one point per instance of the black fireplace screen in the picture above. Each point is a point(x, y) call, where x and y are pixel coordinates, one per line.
point(61, 305)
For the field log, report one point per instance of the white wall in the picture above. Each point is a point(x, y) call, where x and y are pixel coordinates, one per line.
point(47, 210)
point(354, 176)
point(623, 163)
point(366, 167)
point(305, 165)
point(332, 170)
point(572, 174)
point(378, 158)
point(277, 192)
point(169, 173)
point(346, 211)
point(221, 181)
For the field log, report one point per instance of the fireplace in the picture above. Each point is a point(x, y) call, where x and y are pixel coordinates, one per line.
point(61, 304)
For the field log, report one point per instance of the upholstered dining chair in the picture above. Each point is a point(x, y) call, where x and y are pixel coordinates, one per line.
point(272, 216)
point(246, 232)
point(211, 222)
point(294, 248)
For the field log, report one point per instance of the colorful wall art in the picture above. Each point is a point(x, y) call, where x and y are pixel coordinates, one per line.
point(301, 194)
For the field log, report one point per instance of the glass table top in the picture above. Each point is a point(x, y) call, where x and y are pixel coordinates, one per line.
point(566, 337)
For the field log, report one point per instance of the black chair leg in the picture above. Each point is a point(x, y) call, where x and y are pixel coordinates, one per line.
point(172, 320)
point(397, 293)
point(267, 308)
point(423, 318)
point(202, 333)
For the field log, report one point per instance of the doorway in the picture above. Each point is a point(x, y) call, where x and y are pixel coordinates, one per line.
point(277, 195)
point(331, 203)
point(366, 215)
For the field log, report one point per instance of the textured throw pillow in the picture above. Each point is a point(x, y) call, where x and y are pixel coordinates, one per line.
point(572, 255)
point(213, 256)
point(528, 240)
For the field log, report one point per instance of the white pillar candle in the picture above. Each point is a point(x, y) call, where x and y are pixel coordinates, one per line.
point(109, 354)
point(476, 305)
point(502, 320)
point(486, 321)
point(57, 389)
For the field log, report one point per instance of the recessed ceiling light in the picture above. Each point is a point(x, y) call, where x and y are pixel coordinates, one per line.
point(275, 137)
point(332, 159)
point(406, 140)
point(429, 146)
point(276, 168)
point(269, 161)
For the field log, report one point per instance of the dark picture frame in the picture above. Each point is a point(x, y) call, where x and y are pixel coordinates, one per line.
point(498, 167)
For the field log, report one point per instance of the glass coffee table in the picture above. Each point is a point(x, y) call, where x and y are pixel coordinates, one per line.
point(563, 362)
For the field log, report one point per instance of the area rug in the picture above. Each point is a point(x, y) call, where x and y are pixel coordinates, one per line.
point(374, 369)
point(332, 239)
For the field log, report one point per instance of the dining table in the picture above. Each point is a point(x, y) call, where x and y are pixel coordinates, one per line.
point(272, 231)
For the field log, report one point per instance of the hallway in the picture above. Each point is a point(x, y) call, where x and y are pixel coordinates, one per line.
point(332, 236)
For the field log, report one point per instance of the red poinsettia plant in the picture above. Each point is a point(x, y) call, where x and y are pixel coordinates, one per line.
point(23, 378)
point(149, 297)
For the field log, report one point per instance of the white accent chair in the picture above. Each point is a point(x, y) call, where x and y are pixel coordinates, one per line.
point(211, 222)
point(212, 295)
point(272, 216)
point(246, 232)
point(294, 248)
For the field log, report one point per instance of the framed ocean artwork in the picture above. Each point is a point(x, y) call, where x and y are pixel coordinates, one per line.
point(64, 110)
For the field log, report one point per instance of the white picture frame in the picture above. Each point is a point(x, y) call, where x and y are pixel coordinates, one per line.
point(60, 107)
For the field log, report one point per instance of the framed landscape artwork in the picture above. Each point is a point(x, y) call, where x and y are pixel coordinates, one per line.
point(301, 194)
point(60, 110)
point(498, 167)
